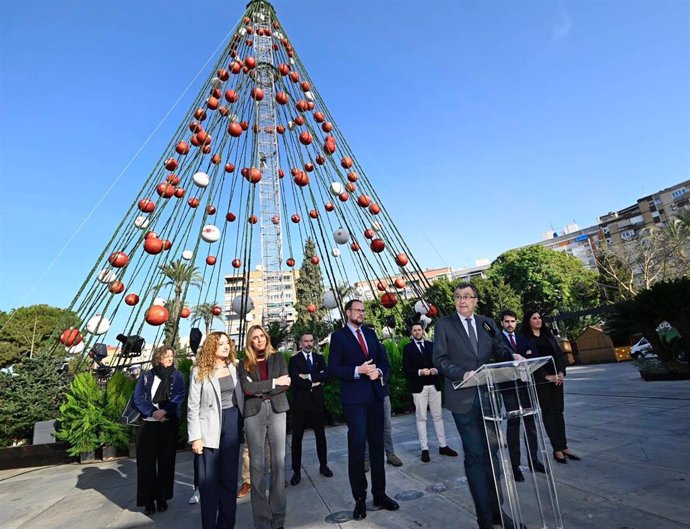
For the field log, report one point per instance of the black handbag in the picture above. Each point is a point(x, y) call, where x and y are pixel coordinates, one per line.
point(131, 416)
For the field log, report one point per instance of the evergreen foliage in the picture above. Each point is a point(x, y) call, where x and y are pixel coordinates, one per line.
point(32, 393)
point(117, 392)
point(309, 291)
point(81, 416)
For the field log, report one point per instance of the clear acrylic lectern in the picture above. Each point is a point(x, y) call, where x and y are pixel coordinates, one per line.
point(536, 503)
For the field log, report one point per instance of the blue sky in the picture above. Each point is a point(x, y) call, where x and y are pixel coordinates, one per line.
point(481, 123)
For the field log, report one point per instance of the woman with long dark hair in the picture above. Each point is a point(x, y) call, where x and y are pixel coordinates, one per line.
point(214, 425)
point(549, 381)
point(264, 378)
point(158, 395)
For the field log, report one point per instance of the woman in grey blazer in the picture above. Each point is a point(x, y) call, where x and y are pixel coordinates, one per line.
point(264, 379)
point(214, 425)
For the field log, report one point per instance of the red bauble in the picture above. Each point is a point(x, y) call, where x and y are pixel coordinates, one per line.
point(369, 233)
point(290, 262)
point(211, 210)
point(302, 179)
point(377, 245)
point(236, 263)
point(204, 138)
point(185, 312)
point(254, 175)
point(231, 96)
point(311, 308)
point(117, 287)
point(118, 259)
point(389, 300)
point(320, 160)
point(182, 147)
point(294, 76)
point(200, 114)
point(229, 168)
point(212, 103)
point(315, 260)
point(210, 260)
point(280, 129)
point(166, 244)
point(295, 218)
point(195, 127)
point(305, 86)
point(432, 312)
point(173, 179)
point(282, 98)
point(235, 130)
point(193, 202)
point(71, 337)
point(217, 311)
point(157, 315)
point(381, 286)
point(327, 126)
point(302, 105)
point(352, 176)
point(299, 120)
point(257, 93)
point(223, 74)
point(319, 117)
point(363, 201)
point(399, 283)
point(355, 247)
point(153, 245)
point(215, 159)
point(351, 187)
point(147, 205)
point(171, 164)
point(329, 147)
point(401, 259)
point(131, 299)
point(252, 219)
point(314, 214)
point(206, 149)
point(250, 62)
point(284, 69)
point(179, 192)
point(309, 167)
point(305, 138)
point(329, 206)
point(230, 216)
point(165, 190)
point(346, 162)
point(374, 209)
point(343, 197)
point(281, 173)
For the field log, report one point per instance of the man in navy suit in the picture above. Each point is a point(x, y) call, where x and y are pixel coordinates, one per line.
point(515, 395)
point(358, 359)
point(308, 372)
point(461, 346)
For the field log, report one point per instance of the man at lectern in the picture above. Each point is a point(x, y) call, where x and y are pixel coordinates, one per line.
point(461, 346)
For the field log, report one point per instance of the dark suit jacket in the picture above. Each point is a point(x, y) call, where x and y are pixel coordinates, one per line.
point(413, 361)
point(345, 354)
point(454, 356)
point(304, 396)
point(142, 394)
point(256, 390)
point(523, 344)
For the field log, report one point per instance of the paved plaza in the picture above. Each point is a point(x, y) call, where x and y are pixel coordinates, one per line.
point(633, 436)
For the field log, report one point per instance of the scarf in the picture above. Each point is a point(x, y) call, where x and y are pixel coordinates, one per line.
point(163, 391)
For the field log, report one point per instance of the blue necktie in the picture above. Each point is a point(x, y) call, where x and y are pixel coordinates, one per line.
point(309, 362)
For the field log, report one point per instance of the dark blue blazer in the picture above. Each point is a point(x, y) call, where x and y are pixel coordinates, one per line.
point(525, 347)
point(142, 394)
point(345, 354)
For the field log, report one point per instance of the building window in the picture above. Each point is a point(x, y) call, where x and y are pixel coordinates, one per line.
point(627, 235)
point(605, 230)
point(678, 193)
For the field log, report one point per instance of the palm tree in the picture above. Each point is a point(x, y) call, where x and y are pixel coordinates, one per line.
point(179, 275)
point(204, 312)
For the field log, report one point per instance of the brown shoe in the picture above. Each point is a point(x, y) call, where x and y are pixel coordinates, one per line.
point(244, 490)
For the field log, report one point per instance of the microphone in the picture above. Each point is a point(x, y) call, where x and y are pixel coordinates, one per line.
point(497, 340)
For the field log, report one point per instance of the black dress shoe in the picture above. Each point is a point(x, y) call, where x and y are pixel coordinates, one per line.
point(517, 474)
point(538, 467)
point(561, 460)
point(296, 478)
point(572, 456)
point(162, 505)
point(386, 503)
point(150, 509)
point(324, 470)
point(486, 525)
point(425, 456)
point(360, 511)
point(447, 451)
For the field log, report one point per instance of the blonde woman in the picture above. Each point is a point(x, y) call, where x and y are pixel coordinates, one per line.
point(158, 395)
point(264, 378)
point(214, 425)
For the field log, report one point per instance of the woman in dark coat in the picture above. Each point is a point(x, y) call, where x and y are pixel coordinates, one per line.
point(158, 395)
point(549, 380)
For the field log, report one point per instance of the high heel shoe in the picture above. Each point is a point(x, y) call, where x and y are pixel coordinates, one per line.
point(561, 460)
point(572, 456)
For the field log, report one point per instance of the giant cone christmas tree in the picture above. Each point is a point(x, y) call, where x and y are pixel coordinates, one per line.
point(257, 167)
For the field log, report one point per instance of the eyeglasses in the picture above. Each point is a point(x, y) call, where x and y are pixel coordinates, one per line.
point(465, 297)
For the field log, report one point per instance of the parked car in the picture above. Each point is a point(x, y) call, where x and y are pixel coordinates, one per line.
point(642, 349)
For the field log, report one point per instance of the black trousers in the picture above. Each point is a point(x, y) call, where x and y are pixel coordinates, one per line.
point(551, 403)
point(156, 450)
point(512, 399)
point(300, 415)
point(365, 425)
point(218, 475)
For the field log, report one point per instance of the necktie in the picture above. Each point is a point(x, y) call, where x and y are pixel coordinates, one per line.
point(309, 362)
point(421, 346)
point(512, 341)
point(471, 333)
point(362, 344)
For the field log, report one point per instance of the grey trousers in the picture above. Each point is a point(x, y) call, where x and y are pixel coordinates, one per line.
point(269, 512)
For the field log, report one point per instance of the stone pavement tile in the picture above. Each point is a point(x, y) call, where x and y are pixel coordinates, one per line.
point(612, 515)
point(667, 500)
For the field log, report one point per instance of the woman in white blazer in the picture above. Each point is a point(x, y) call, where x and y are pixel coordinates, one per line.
point(214, 426)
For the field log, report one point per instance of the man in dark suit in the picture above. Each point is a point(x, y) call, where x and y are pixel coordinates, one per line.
point(308, 372)
point(461, 346)
point(358, 359)
point(515, 395)
point(424, 383)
